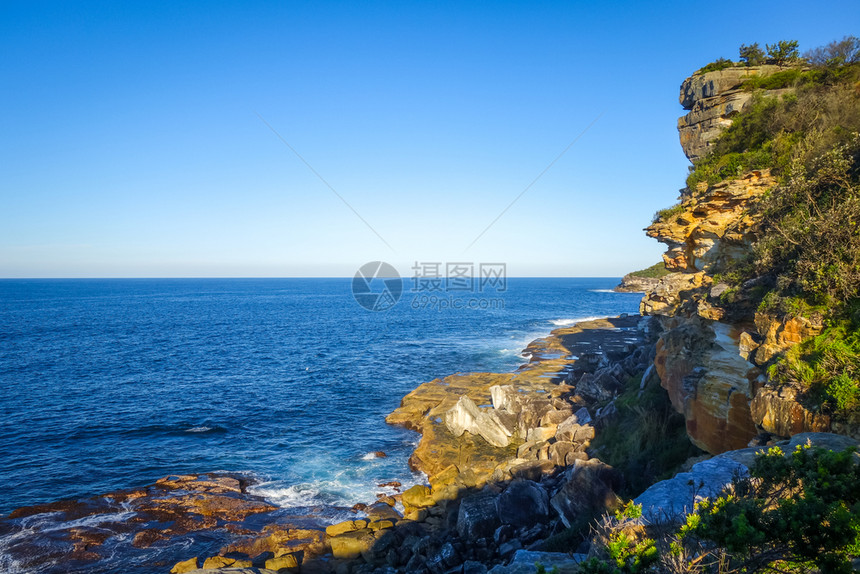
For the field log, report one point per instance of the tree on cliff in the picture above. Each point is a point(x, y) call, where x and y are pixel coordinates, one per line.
point(782, 53)
point(751, 55)
point(837, 53)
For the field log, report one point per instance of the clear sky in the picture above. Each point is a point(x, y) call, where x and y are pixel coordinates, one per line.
point(132, 142)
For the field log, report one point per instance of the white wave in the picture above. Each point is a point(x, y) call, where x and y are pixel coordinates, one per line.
point(199, 429)
point(340, 490)
point(603, 290)
point(296, 495)
point(370, 456)
point(569, 322)
point(47, 522)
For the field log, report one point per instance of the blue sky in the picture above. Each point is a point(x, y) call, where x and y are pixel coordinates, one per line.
point(132, 142)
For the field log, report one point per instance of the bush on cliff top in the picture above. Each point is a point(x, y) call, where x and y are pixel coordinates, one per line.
point(667, 213)
point(654, 272)
point(792, 514)
point(784, 52)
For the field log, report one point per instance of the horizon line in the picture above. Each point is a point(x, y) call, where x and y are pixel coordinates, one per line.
point(287, 277)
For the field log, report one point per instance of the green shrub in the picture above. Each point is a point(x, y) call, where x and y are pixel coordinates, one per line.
point(799, 513)
point(828, 368)
point(656, 271)
point(668, 213)
point(715, 169)
point(647, 441)
point(792, 514)
point(626, 550)
point(715, 66)
point(782, 79)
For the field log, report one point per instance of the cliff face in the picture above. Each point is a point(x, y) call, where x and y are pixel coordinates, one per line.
point(713, 224)
point(712, 100)
point(710, 361)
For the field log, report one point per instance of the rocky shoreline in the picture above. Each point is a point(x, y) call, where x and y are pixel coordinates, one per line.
point(506, 455)
point(511, 472)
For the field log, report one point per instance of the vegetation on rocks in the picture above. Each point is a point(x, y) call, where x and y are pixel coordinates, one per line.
point(784, 52)
point(668, 213)
point(829, 366)
point(805, 255)
point(647, 441)
point(797, 513)
point(654, 272)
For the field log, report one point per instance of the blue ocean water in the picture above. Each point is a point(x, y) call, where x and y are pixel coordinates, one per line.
point(111, 384)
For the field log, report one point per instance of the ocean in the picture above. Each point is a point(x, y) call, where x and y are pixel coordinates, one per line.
point(113, 383)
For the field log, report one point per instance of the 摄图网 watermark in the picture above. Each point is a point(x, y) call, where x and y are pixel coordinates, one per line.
point(435, 285)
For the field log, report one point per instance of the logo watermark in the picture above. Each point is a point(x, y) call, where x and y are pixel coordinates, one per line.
point(377, 286)
point(436, 285)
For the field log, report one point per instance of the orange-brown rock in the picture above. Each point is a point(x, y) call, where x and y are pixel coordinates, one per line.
point(523, 399)
point(712, 224)
point(780, 334)
point(778, 411)
point(172, 507)
point(673, 292)
point(280, 539)
point(713, 99)
point(700, 366)
point(184, 566)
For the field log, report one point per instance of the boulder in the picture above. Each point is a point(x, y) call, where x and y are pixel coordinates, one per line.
point(505, 397)
point(216, 562)
point(532, 411)
point(522, 504)
point(466, 416)
point(530, 470)
point(346, 526)
point(540, 434)
point(287, 562)
point(381, 511)
point(417, 496)
point(472, 567)
point(594, 390)
point(670, 500)
point(555, 417)
point(477, 517)
point(563, 453)
point(778, 411)
point(582, 416)
point(350, 545)
point(780, 334)
point(588, 489)
point(184, 566)
point(572, 431)
point(444, 559)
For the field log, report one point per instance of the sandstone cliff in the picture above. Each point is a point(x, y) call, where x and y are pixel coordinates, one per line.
point(713, 99)
point(712, 358)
